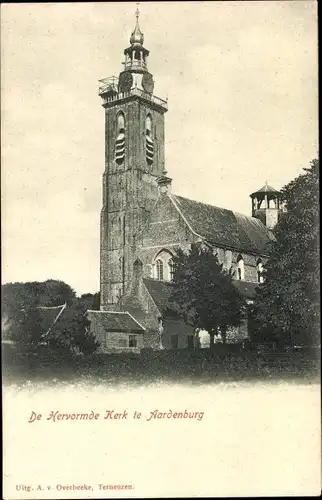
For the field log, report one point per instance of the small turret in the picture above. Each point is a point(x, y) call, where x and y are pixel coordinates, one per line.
point(266, 205)
point(164, 183)
point(135, 74)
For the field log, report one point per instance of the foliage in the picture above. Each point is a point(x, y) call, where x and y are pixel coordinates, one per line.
point(89, 301)
point(26, 326)
point(22, 309)
point(72, 332)
point(287, 304)
point(16, 296)
point(203, 292)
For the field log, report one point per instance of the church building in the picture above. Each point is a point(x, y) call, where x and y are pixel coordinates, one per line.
point(143, 222)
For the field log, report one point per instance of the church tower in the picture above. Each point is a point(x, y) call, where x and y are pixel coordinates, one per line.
point(134, 160)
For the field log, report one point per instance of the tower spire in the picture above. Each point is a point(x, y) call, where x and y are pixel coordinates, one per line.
point(137, 35)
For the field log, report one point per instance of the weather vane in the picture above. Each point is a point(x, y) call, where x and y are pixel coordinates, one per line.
point(137, 13)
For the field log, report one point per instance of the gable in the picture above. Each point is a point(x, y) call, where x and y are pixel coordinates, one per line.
point(165, 225)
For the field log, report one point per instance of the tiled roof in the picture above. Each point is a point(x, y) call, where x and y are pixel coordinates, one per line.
point(160, 291)
point(224, 227)
point(115, 321)
point(265, 189)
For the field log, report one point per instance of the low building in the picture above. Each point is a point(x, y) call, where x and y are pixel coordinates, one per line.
point(117, 331)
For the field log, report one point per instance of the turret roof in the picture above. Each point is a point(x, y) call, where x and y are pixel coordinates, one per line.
point(265, 189)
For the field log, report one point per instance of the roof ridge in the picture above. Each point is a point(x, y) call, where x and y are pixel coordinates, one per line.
point(136, 321)
point(216, 206)
point(156, 280)
point(110, 312)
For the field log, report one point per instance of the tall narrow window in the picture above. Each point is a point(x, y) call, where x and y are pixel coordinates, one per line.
point(260, 269)
point(120, 230)
point(175, 341)
point(190, 341)
point(123, 230)
point(171, 269)
point(240, 268)
point(159, 266)
point(120, 139)
point(149, 141)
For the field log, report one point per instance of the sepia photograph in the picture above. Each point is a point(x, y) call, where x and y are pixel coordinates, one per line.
point(160, 249)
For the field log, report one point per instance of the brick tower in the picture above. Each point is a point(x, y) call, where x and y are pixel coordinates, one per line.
point(134, 159)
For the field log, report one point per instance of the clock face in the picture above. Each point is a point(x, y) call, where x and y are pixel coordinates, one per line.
point(147, 83)
point(125, 81)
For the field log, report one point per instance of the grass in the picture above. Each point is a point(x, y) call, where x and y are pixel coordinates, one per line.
point(180, 366)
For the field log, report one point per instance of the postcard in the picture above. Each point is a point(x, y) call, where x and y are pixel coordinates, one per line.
point(160, 258)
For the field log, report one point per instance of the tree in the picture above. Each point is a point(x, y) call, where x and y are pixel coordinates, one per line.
point(28, 323)
point(203, 292)
point(55, 293)
point(89, 301)
point(26, 326)
point(16, 296)
point(82, 337)
point(72, 331)
point(287, 306)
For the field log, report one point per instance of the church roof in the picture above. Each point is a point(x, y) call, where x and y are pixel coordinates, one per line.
point(160, 291)
point(224, 227)
point(115, 321)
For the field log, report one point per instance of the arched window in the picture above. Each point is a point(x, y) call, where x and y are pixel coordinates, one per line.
point(260, 269)
point(162, 267)
point(159, 269)
point(240, 267)
point(120, 139)
point(171, 269)
point(149, 141)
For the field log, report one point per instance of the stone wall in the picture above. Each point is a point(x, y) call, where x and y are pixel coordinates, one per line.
point(116, 341)
point(129, 192)
point(167, 230)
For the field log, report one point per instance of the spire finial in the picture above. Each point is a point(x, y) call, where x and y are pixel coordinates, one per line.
point(137, 35)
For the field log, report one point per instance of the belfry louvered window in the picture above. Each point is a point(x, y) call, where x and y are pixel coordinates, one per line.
point(120, 139)
point(148, 140)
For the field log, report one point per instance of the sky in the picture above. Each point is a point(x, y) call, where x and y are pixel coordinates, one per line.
point(241, 81)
